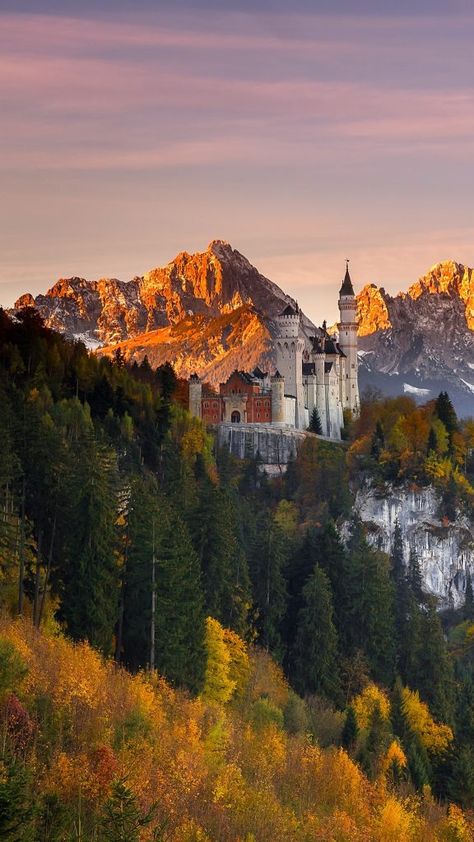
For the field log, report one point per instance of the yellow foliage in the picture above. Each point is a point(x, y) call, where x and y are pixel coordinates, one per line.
point(239, 662)
point(365, 703)
point(395, 823)
point(434, 737)
point(218, 685)
point(394, 756)
point(98, 724)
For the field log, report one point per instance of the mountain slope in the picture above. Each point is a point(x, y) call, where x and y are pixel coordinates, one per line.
point(209, 312)
point(421, 341)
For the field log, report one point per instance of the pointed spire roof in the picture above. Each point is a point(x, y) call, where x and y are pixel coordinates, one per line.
point(347, 288)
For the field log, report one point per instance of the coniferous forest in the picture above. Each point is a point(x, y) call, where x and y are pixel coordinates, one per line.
point(191, 651)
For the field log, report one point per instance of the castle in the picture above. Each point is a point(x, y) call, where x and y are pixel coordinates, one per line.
point(312, 372)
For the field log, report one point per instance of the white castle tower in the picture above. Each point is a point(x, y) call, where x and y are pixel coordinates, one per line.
point(289, 360)
point(348, 342)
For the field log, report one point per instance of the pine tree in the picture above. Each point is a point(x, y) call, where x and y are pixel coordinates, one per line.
point(122, 819)
point(445, 411)
point(414, 577)
point(398, 564)
point(432, 445)
point(267, 561)
point(376, 744)
point(223, 562)
point(15, 801)
point(88, 579)
point(378, 441)
point(369, 621)
point(315, 422)
point(434, 673)
point(468, 608)
point(350, 732)
point(179, 619)
point(315, 649)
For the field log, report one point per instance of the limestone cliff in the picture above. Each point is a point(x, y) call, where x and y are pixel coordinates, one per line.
point(445, 551)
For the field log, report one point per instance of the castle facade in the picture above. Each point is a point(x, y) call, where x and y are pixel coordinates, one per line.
point(312, 372)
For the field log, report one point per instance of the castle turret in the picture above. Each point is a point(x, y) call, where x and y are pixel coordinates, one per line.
point(348, 341)
point(278, 398)
point(195, 396)
point(289, 359)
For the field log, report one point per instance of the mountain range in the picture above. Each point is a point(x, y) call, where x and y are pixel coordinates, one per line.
point(212, 312)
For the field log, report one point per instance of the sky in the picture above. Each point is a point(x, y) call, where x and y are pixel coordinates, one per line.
point(302, 133)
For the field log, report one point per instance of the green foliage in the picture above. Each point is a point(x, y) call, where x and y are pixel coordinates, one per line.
point(122, 819)
point(350, 732)
point(12, 668)
point(264, 713)
point(314, 662)
point(15, 802)
point(315, 422)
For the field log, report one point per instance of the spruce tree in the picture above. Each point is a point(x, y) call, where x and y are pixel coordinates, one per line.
point(179, 619)
point(414, 577)
point(88, 578)
point(224, 568)
point(445, 411)
point(15, 801)
point(122, 819)
point(315, 422)
point(315, 650)
point(468, 607)
point(268, 557)
point(369, 623)
point(350, 732)
point(434, 674)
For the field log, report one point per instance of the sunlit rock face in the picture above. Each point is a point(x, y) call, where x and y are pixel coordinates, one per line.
point(445, 550)
point(421, 341)
point(210, 312)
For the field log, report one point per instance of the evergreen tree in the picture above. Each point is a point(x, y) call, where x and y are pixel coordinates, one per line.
point(179, 618)
point(414, 577)
point(369, 624)
point(315, 422)
point(315, 649)
point(122, 819)
point(398, 564)
point(378, 441)
point(445, 411)
point(15, 802)
point(376, 744)
point(434, 675)
point(88, 577)
point(350, 732)
point(432, 445)
point(267, 562)
point(468, 608)
point(223, 562)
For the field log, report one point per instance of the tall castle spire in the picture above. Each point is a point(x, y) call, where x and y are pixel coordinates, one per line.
point(347, 288)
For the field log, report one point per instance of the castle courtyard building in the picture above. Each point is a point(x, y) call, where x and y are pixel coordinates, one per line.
point(313, 372)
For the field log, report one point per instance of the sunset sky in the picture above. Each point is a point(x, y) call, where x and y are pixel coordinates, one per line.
point(301, 132)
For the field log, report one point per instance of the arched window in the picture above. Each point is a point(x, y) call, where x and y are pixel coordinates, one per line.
point(235, 417)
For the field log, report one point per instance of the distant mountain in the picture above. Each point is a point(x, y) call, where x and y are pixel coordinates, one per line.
point(421, 341)
point(209, 312)
point(212, 312)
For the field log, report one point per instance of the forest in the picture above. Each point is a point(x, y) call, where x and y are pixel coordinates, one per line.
point(190, 651)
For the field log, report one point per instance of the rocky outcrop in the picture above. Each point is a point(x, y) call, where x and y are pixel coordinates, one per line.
point(445, 550)
point(372, 312)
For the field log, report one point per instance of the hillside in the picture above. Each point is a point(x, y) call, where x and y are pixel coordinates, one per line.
point(234, 653)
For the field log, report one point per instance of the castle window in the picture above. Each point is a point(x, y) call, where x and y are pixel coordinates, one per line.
point(235, 417)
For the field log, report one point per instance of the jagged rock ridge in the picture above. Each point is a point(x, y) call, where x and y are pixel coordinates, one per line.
point(211, 312)
point(421, 341)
